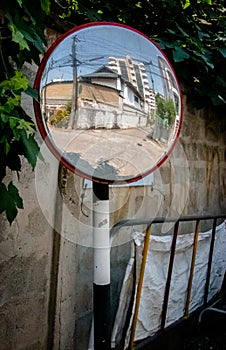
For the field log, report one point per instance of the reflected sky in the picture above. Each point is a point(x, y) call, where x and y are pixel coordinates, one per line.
point(93, 47)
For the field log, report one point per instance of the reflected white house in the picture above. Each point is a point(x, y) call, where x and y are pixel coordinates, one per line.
point(107, 100)
point(104, 100)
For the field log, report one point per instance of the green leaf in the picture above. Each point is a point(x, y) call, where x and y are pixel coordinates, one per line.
point(202, 35)
point(28, 127)
point(45, 4)
point(223, 52)
point(186, 4)
point(29, 32)
point(7, 147)
point(13, 122)
point(209, 2)
point(182, 30)
point(18, 37)
point(33, 93)
point(19, 81)
point(4, 118)
point(171, 31)
point(30, 147)
point(4, 197)
point(14, 101)
point(31, 35)
point(180, 54)
point(10, 201)
point(205, 57)
point(217, 100)
point(13, 160)
point(13, 191)
point(15, 83)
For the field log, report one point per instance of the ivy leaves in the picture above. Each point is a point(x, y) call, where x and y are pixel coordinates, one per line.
point(21, 40)
point(17, 83)
point(23, 33)
point(10, 201)
point(191, 32)
point(195, 44)
point(16, 139)
point(179, 54)
point(16, 126)
point(24, 23)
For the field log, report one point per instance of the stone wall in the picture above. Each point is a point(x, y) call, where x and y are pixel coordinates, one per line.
point(46, 277)
point(204, 140)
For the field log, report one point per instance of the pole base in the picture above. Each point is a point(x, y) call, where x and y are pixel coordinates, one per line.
point(102, 317)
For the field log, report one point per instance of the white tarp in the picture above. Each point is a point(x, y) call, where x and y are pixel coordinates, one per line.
point(155, 276)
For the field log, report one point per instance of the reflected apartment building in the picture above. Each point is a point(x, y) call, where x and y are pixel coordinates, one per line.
point(136, 73)
point(170, 91)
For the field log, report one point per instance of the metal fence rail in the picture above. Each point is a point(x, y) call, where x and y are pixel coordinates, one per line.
point(149, 223)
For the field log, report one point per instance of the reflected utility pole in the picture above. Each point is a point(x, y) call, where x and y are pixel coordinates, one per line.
point(45, 87)
point(73, 121)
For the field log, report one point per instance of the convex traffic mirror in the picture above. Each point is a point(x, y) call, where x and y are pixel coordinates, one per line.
point(110, 105)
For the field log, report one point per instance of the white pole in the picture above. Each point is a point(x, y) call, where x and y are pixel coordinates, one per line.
point(101, 282)
point(101, 242)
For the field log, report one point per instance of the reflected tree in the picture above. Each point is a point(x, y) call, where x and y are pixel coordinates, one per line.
point(165, 109)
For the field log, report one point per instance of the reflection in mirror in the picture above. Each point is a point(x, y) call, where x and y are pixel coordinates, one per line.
point(109, 102)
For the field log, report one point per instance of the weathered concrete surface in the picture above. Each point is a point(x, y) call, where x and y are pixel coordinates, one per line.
point(191, 182)
point(25, 265)
point(204, 142)
point(25, 255)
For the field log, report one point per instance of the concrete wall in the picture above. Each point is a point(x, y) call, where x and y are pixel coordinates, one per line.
point(47, 276)
point(204, 140)
point(25, 258)
point(106, 116)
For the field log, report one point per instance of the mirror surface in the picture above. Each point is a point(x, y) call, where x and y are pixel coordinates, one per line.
point(110, 104)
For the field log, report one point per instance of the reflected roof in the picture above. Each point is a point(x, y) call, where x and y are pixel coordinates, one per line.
point(98, 93)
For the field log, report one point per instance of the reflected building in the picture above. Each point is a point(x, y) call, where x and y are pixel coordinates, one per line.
point(104, 100)
point(117, 95)
point(170, 92)
point(135, 73)
point(107, 100)
point(168, 81)
point(55, 96)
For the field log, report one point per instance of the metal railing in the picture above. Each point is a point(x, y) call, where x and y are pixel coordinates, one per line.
point(149, 223)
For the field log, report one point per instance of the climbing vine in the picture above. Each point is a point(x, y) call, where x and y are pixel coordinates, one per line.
point(192, 33)
point(21, 40)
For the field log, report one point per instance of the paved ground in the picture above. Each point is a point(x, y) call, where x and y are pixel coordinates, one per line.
point(112, 154)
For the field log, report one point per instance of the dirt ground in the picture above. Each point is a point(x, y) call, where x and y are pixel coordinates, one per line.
point(211, 333)
point(206, 341)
